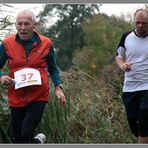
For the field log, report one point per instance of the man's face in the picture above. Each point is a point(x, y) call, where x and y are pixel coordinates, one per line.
point(25, 26)
point(141, 23)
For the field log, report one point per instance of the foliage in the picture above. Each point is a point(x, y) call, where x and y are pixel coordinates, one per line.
point(67, 33)
point(93, 86)
point(103, 37)
point(97, 113)
point(5, 23)
point(54, 122)
point(4, 118)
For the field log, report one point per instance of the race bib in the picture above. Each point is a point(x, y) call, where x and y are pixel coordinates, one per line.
point(27, 77)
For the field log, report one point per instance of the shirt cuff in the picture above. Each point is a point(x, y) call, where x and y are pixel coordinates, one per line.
point(1, 73)
point(60, 85)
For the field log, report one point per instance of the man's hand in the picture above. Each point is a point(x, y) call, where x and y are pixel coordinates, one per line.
point(126, 66)
point(7, 81)
point(59, 93)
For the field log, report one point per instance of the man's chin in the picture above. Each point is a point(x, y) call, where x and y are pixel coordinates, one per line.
point(25, 38)
point(142, 34)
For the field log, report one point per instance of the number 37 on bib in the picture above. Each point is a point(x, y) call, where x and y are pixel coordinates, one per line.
point(27, 77)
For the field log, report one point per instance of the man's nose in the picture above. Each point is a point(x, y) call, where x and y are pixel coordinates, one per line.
point(140, 24)
point(23, 26)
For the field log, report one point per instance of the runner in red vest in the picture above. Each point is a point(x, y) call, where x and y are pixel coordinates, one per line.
point(31, 60)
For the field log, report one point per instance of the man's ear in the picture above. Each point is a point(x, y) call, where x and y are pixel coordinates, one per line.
point(36, 24)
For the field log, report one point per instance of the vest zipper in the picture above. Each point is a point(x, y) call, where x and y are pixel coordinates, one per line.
point(27, 55)
point(27, 89)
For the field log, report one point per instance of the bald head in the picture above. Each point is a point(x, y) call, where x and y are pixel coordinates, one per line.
point(142, 13)
point(141, 22)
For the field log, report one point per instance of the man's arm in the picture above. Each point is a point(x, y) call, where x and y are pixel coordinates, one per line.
point(53, 69)
point(121, 54)
point(3, 57)
point(55, 75)
point(125, 66)
point(4, 79)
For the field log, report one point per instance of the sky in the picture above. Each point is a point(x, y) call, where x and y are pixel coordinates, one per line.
point(109, 9)
point(118, 9)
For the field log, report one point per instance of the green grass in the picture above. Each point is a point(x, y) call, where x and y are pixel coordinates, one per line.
point(94, 113)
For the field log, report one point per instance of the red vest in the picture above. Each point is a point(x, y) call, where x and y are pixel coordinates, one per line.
point(37, 59)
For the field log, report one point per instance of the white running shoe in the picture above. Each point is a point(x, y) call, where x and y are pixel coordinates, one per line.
point(41, 137)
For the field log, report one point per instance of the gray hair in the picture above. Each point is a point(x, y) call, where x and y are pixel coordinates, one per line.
point(27, 11)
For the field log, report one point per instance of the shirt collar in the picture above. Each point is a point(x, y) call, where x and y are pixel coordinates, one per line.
point(35, 38)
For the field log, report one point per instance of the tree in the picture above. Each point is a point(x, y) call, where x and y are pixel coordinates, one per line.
point(5, 28)
point(102, 39)
point(5, 23)
point(67, 33)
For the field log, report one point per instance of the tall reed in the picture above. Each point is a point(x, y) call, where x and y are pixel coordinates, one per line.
point(54, 122)
point(4, 118)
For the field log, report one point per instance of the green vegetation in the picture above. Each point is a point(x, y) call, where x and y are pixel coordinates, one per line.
point(67, 32)
point(93, 85)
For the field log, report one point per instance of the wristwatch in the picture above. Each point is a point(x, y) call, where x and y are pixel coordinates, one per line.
point(60, 85)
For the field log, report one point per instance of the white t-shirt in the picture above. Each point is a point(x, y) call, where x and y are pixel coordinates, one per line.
point(134, 50)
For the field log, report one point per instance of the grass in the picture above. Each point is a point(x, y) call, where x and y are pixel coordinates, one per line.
point(94, 113)
point(4, 118)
